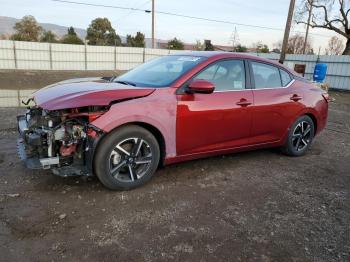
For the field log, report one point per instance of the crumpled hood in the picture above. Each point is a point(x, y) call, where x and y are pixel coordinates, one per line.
point(82, 92)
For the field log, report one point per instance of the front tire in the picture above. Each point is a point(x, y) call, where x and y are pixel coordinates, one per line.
point(300, 137)
point(126, 158)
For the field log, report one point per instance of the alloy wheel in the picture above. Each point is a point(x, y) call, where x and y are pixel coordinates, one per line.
point(130, 159)
point(301, 136)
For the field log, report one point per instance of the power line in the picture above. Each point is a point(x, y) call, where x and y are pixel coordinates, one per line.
point(99, 5)
point(218, 21)
point(131, 11)
point(166, 13)
point(180, 15)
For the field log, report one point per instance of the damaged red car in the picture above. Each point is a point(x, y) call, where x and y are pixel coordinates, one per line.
point(171, 109)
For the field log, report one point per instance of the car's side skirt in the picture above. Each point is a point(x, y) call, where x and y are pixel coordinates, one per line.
point(183, 158)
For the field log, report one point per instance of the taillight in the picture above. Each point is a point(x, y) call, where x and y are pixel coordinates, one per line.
point(326, 97)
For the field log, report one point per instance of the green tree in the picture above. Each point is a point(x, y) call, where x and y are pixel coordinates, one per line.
point(71, 31)
point(241, 48)
point(71, 37)
point(208, 45)
point(27, 29)
point(260, 47)
point(129, 40)
point(101, 32)
point(48, 37)
point(137, 41)
point(264, 49)
point(176, 44)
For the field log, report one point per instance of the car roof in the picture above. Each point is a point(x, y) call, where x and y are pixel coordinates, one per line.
point(223, 54)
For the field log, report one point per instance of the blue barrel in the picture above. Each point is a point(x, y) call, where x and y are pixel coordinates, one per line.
point(320, 72)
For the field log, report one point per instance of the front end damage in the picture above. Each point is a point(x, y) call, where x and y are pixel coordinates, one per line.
point(61, 140)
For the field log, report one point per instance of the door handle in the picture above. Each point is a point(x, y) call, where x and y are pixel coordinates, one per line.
point(243, 102)
point(296, 98)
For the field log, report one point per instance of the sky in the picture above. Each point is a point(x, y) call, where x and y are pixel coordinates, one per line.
point(269, 13)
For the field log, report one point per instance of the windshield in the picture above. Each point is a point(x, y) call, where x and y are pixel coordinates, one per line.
point(160, 72)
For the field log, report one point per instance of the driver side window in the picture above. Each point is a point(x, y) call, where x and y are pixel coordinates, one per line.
point(226, 75)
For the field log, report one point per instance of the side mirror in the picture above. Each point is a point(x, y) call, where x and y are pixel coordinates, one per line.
point(201, 86)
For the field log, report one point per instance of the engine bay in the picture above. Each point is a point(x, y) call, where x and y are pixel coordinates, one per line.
point(62, 140)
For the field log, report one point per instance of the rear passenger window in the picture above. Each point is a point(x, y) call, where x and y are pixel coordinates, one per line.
point(266, 76)
point(285, 77)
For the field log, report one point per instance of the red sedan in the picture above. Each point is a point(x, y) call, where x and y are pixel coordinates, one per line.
point(171, 109)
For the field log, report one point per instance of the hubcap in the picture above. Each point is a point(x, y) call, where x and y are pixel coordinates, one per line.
point(130, 159)
point(301, 136)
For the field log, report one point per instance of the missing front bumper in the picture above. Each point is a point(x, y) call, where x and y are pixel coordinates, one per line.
point(25, 144)
point(34, 162)
point(52, 163)
point(37, 149)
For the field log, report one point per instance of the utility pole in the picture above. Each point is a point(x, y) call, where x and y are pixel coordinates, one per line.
point(153, 13)
point(286, 31)
point(308, 25)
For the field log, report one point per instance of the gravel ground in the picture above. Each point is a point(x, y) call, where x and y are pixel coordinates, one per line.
point(253, 206)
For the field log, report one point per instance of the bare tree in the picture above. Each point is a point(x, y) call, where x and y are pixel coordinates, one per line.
point(332, 15)
point(4, 37)
point(199, 46)
point(335, 46)
point(296, 45)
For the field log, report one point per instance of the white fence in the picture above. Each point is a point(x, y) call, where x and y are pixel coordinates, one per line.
point(46, 56)
point(13, 98)
point(338, 72)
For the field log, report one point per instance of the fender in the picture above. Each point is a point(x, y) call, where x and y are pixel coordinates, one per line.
point(305, 111)
point(157, 110)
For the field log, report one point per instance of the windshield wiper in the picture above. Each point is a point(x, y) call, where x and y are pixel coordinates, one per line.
point(125, 83)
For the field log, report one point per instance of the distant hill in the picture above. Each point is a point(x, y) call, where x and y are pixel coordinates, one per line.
point(7, 24)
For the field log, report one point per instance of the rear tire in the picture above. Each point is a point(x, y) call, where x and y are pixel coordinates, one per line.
point(126, 158)
point(300, 137)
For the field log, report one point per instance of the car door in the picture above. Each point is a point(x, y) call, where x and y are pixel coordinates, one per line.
point(277, 102)
point(221, 120)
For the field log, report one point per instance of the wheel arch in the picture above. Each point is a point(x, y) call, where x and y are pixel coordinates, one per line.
point(308, 113)
point(314, 120)
point(157, 134)
point(149, 127)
